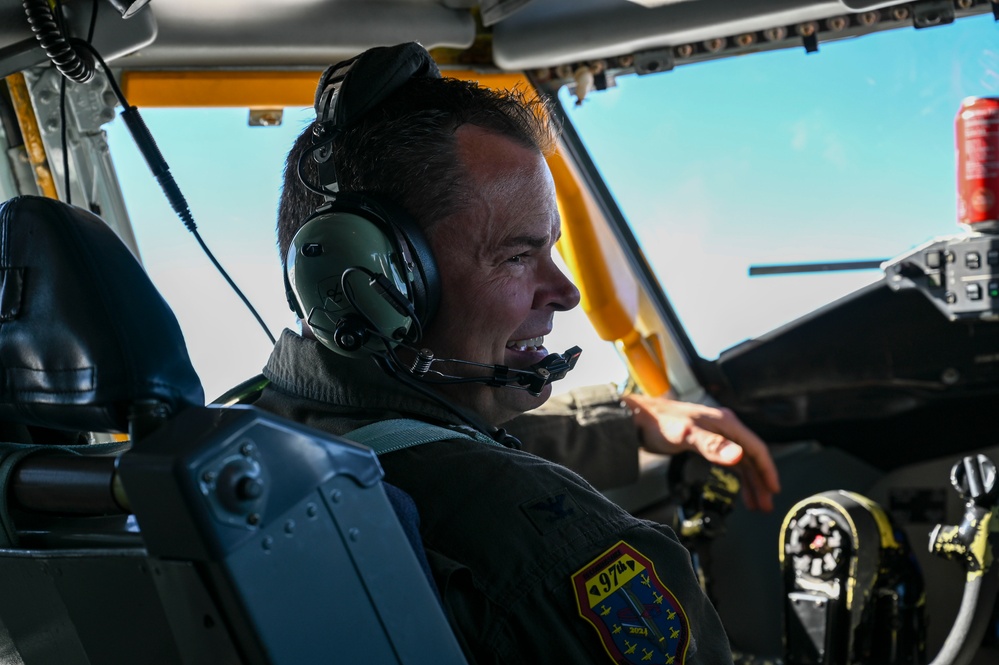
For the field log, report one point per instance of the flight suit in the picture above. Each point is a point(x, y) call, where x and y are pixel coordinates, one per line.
point(533, 564)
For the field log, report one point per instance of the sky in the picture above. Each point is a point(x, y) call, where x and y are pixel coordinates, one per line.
point(780, 157)
point(788, 157)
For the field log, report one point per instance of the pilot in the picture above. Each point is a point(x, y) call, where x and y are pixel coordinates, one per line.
point(532, 563)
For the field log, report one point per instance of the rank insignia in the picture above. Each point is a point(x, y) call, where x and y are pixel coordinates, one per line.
point(639, 620)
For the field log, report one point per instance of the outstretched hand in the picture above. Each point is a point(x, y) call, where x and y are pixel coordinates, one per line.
point(668, 427)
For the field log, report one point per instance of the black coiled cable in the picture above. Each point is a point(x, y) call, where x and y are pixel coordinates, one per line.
point(75, 64)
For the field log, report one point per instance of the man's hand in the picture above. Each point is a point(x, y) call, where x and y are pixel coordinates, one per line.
point(669, 427)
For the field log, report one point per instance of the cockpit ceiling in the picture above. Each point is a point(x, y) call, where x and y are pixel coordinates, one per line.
point(289, 33)
point(525, 34)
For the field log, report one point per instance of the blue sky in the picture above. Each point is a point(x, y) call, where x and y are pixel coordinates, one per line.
point(788, 157)
point(781, 157)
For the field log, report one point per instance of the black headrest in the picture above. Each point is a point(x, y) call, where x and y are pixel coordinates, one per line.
point(84, 334)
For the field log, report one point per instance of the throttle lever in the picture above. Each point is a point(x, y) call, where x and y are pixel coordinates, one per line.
point(703, 495)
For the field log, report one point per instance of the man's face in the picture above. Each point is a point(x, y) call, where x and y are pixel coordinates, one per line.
point(500, 287)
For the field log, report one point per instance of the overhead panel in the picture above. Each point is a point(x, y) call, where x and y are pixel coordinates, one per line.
point(552, 32)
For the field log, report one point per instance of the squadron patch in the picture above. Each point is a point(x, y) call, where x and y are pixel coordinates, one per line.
point(639, 620)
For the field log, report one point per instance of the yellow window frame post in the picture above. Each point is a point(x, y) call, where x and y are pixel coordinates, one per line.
point(31, 133)
point(600, 292)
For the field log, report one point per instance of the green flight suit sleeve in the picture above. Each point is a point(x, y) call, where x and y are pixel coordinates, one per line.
point(588, 430)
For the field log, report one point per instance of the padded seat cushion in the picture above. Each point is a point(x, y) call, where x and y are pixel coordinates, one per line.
point(83, 332)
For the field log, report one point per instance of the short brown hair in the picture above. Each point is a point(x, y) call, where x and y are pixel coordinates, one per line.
point(404, 150)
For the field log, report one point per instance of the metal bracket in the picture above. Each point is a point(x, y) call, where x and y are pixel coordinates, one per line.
point(93, 179)
point(653, 62)
point(931, 13)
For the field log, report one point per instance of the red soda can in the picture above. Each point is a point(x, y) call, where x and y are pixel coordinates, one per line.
point(977, 129)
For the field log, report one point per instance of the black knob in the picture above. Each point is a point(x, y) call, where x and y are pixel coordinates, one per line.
point(240, 485)
point(249, 488)
point(350, 333)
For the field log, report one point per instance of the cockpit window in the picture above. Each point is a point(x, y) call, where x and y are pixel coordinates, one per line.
point(230, 174)
point(787, 158)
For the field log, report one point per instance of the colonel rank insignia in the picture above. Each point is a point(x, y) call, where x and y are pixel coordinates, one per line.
point(638, 619)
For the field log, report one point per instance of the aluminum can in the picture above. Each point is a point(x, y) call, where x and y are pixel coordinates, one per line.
point(977, 130)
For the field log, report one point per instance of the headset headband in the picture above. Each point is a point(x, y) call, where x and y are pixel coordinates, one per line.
point(373, 76)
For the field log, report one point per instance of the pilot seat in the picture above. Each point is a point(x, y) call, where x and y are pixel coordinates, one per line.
point(191, 534)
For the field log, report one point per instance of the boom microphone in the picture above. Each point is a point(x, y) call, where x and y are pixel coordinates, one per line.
point(353, 331)
point(533, 379)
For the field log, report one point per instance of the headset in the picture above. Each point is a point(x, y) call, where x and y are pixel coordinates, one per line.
point(359, 271)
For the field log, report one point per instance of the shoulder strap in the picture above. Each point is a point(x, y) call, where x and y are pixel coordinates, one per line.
point(386, 436)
